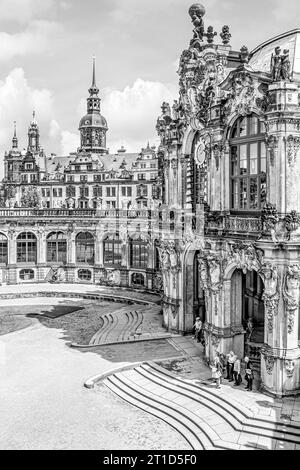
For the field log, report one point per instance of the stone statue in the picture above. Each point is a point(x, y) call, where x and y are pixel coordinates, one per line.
point(280, 65)
point(249, 328)
point(285, 66)
point(276, 64)
point(196, 12)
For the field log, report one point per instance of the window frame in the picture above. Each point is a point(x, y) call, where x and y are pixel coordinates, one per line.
point(237, 178)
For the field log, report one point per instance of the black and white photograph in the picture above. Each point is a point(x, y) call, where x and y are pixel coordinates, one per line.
point(149, 228)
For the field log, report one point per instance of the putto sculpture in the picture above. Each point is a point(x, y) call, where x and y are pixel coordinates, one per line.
point(280, 65)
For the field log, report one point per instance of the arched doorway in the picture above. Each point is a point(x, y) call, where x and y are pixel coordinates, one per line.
point(248, 309)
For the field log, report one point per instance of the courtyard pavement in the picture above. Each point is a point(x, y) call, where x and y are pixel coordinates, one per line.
point(45, 406)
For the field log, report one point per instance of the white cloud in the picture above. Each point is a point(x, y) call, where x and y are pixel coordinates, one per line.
point(69, 142)
point(17, 101)
point(132, 113)
point(37, 38)
point(23, 11)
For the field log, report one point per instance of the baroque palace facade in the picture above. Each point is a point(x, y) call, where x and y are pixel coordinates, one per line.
point(217, 230)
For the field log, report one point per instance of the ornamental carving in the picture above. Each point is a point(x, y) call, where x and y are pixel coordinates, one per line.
point(270, 296)
point(272, 147)
point(246, 257)
point(291, 293)
point(269, 361)
point(170, 255)
point(211, 271)
point(242, 94)
point(215, 341)
point(292, 146)
point(292, 221)
point(217, 150)
point(289, 367)
point(269, 216)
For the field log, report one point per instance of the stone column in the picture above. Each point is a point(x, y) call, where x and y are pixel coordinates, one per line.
point(280, 363)
point(12, 257)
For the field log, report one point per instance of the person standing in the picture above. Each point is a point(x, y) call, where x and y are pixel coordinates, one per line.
point(237, 372)
point(248, 373)
point(231, 357)
point(216, 369)
point(198, 328)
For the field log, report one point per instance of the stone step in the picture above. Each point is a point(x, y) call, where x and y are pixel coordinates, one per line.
point(240, 417)
point(160, 408)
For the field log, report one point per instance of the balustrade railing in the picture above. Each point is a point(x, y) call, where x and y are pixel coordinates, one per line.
point(86, 213)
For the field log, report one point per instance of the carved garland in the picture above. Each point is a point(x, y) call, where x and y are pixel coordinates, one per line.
point(269, 361)
point(292, 147)
point(270, 295)
point(272, 146)
point(291, 294)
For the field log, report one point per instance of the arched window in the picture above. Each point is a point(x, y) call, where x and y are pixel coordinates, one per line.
point(137, 279)
point(138, 253)
point(84, 274)
point(112, 250)
point(85, 248)
point(3, 249)
point(248, 164)
point(56, 248)
point(26, 248)
point(26, 274)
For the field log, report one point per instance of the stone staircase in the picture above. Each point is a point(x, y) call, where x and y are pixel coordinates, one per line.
point(129, 323)
point(200, 414)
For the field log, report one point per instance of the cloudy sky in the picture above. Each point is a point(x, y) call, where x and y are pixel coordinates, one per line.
point(46, 49)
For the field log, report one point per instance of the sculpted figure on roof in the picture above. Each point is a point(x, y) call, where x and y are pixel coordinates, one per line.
point(196, 12)
point(280, 65)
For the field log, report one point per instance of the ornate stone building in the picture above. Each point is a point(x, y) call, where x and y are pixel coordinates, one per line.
point(88, 217)
point(89, 178)
point(220, 230)
point(230, 162)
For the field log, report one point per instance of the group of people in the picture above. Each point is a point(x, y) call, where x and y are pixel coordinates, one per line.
point(231, 365)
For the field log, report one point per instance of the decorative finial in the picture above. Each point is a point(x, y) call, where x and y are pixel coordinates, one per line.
point(244, 54)
point(210, 34)
point(225, 34)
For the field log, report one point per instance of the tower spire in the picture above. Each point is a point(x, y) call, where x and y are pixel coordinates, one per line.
point(15, 139)
point(94, 71)
point(94, 90)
